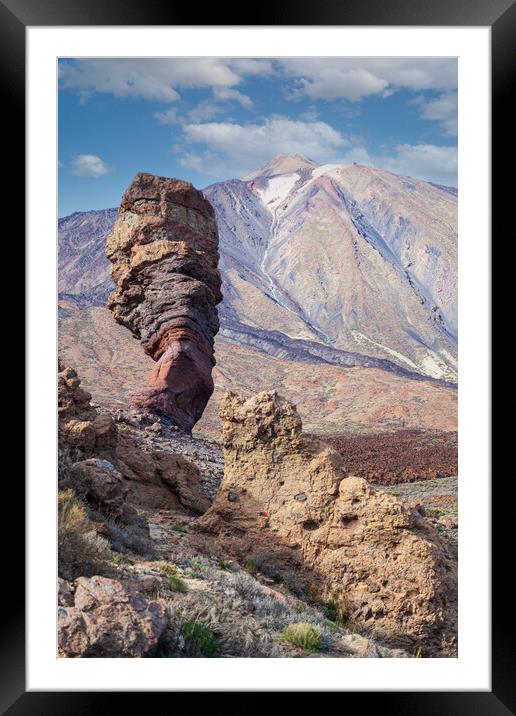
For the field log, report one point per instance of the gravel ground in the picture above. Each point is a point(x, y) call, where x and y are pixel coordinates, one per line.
point(159, 433)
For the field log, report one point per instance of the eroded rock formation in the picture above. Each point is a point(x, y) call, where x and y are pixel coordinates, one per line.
point(164, 252)
point(80, 426)
point(286, 498)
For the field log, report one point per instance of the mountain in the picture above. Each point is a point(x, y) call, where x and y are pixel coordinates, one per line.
point(351, 257)
point(282, 164)
point(84, 270)
point(325, 269)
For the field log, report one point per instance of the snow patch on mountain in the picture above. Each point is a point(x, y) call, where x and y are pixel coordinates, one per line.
point(276, 190)
point(324, 169)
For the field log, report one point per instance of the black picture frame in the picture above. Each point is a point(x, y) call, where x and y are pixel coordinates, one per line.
point(500, 15)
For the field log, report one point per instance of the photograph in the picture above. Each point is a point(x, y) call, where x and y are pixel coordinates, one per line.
point(258, 377)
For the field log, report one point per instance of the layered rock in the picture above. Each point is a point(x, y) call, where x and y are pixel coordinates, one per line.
point(286, 498)
point(164, 254)
point(101, 617)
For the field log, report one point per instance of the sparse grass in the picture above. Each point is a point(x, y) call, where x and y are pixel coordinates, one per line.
point(277, 579)
point(435, 512)
point(121, 560)
point(223, 564)
point(175, 582)
point(247, 617)
point(303, 635)
point(81, 552)
point(178, 528)
point(73, 519)
point(251, 565)
point(199, 638)
point(334, 612)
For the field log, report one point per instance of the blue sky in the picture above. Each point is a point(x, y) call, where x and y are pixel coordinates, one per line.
point(206, 120)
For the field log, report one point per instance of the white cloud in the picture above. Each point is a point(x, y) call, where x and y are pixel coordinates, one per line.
point(353, 79)
point(252, 66)
point(225, 93)
point(203, 111)
point(423, 161)
point(151, 79)
point(239, 148)
point(169, 116)
point(89, 165)
point(442, 109)
point(332, 83)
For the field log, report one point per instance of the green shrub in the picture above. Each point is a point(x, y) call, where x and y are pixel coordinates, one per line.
point(251, 566)
point(305, 636)
point(199, 566)
point(178, 528)
point(177, 584)
point(175, 581)
point(200, 638)
point(334, 612)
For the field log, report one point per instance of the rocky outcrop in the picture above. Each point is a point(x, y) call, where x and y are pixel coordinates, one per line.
point(79, 425)
point(101, 617)
point(159, 478)
point(110, 465)
point(164, 252)
point(101, 485)
point(286, 497)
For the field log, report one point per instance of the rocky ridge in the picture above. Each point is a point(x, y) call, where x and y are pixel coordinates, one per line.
point(330, 398)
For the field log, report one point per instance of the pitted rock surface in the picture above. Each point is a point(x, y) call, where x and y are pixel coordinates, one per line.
point(347, 540)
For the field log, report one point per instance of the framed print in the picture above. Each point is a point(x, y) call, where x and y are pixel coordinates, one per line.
point(258, 263)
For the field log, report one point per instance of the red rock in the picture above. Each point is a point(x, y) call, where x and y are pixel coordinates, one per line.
point(164, 255)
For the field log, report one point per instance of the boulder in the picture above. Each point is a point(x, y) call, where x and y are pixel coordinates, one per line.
point(161, 479)
point(108, 618)
point(164, 252)
point(287, 497)
point(101, 484)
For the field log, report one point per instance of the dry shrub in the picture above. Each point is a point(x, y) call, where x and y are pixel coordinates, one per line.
point(81, 552)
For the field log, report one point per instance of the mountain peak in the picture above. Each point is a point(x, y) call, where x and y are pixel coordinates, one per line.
point(282, 164)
